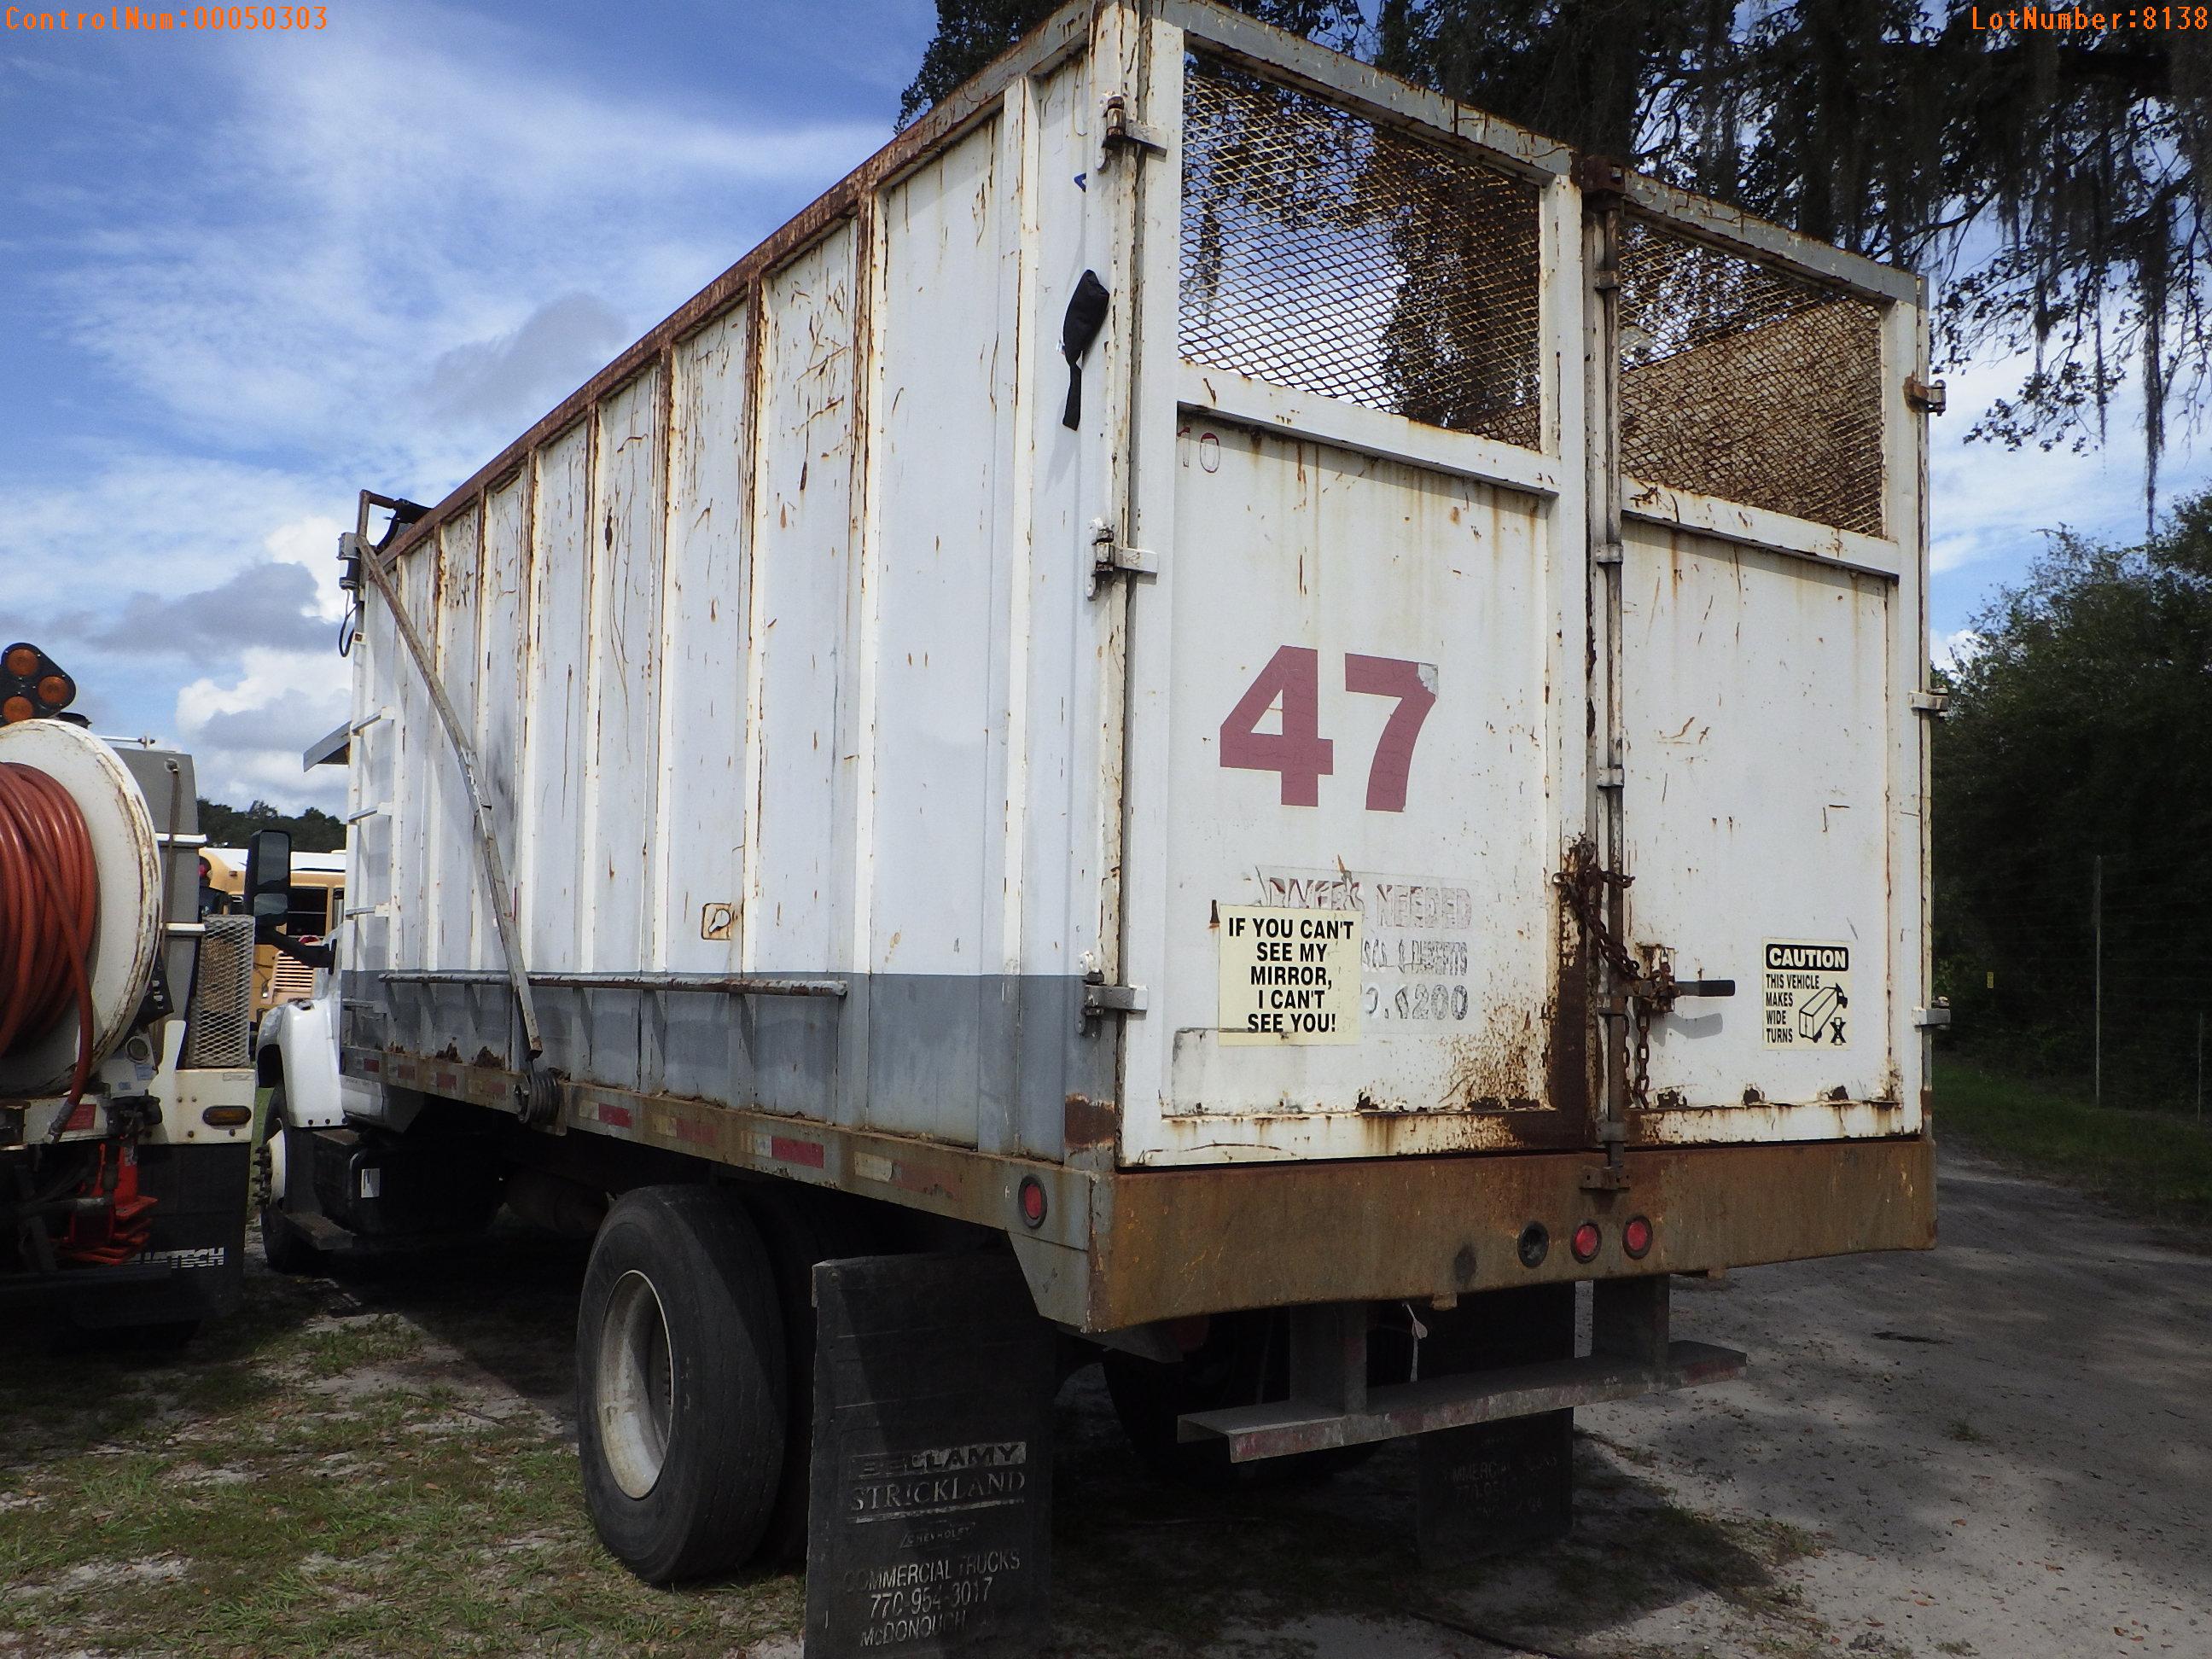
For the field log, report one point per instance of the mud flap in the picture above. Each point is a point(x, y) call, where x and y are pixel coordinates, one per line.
point(1491, 1488)
point(1495, 1487)
point(194, 1265)
point(930, 1526)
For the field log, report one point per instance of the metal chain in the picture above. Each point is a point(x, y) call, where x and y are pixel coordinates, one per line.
point(1585, 882)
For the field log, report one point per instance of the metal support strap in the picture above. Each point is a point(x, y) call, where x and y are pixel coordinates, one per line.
point(354, 545)
point(1600, 182)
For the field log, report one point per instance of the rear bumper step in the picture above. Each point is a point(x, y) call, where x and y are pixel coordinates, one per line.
point(1287, 1426)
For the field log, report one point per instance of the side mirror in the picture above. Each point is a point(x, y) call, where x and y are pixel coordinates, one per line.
point(269, 875)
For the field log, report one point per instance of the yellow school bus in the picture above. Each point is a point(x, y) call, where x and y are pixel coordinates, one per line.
point(318, 903)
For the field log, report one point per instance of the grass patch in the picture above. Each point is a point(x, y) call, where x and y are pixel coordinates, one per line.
point(361, 1343)
point(313, 1476)
point(2158, 1165)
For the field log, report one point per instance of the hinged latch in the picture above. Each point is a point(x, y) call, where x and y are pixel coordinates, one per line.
point(1110, 557)
point(1112, 1000)
point(1118, 129)
point(1936, 1015)
point(1928, 397)
point(1100, 1000)
point(1933, 704)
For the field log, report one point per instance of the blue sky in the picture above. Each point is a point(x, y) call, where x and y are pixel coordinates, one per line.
point(243, 276)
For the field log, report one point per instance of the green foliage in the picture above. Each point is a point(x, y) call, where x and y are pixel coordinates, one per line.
point(2052, 180)
point(2158, 1169)
point(312, 831)
point(2081, 729)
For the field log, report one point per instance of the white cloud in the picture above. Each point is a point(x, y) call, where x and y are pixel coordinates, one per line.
point(144, 519)
point(246, 729)
point(414, 194)
point(1947, 651)
point(1988, 505)
point(301, 273)
point(313, 543)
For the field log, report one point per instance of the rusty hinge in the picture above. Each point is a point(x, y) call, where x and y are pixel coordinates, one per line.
point(1928, 397)
point(1601, 175)
point(1118, 129)
point(1109, 557)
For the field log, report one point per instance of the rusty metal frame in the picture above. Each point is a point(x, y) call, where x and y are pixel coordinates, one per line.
point(499, 893)
point(1276, 52)
point(1287, 1427)
point(1124, 1248)
point(1191, 1241)
point(1060, 36)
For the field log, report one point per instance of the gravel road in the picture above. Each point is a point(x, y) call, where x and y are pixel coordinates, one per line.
point(2002, 1447)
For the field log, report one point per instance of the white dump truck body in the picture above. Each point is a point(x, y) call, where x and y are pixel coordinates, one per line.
point(1470, 570)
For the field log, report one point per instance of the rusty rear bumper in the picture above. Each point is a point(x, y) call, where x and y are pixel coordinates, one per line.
point(1169, 1243)
point(1118, 1248)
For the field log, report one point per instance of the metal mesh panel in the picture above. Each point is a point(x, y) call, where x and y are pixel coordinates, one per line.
point(1323, 253)
point(220, 1022)
point(1740, 382)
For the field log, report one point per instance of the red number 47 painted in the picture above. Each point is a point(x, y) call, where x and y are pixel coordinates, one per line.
point(1299, 752)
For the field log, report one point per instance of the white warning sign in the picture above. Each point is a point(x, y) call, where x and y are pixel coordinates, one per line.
point(1289, 975)
point(1807, 993)
point(1417, 942)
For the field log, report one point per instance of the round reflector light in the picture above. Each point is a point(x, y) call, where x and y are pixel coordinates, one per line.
point(15, 708)
point(1032, 1201)
point(1585, 1242)
point(55, 690)
point(22, 662)
point(1534, 1245)
point(1635, 1237)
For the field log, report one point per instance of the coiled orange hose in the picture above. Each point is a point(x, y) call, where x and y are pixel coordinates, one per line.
point(49, 900)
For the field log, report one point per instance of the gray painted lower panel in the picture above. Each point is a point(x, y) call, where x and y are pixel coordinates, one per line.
point(986, 1060)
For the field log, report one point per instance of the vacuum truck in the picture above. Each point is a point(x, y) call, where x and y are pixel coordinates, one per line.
point(127, 1084)
point(1222, 714)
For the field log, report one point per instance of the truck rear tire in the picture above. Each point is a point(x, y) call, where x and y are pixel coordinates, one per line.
point(680, 1391)
point(801, 1227)
point(284, 1245)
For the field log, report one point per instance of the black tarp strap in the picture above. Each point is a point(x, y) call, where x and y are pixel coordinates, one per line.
point(1086, 315)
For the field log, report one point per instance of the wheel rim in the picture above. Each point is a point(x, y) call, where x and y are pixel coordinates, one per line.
point(272, 1148)
point(636, 1392)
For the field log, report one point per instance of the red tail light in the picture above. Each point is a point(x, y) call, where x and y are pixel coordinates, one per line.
point(1585, 1242)
point(1636, 1237)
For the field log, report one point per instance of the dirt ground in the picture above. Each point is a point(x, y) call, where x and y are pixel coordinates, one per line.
point(2003, 1449)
